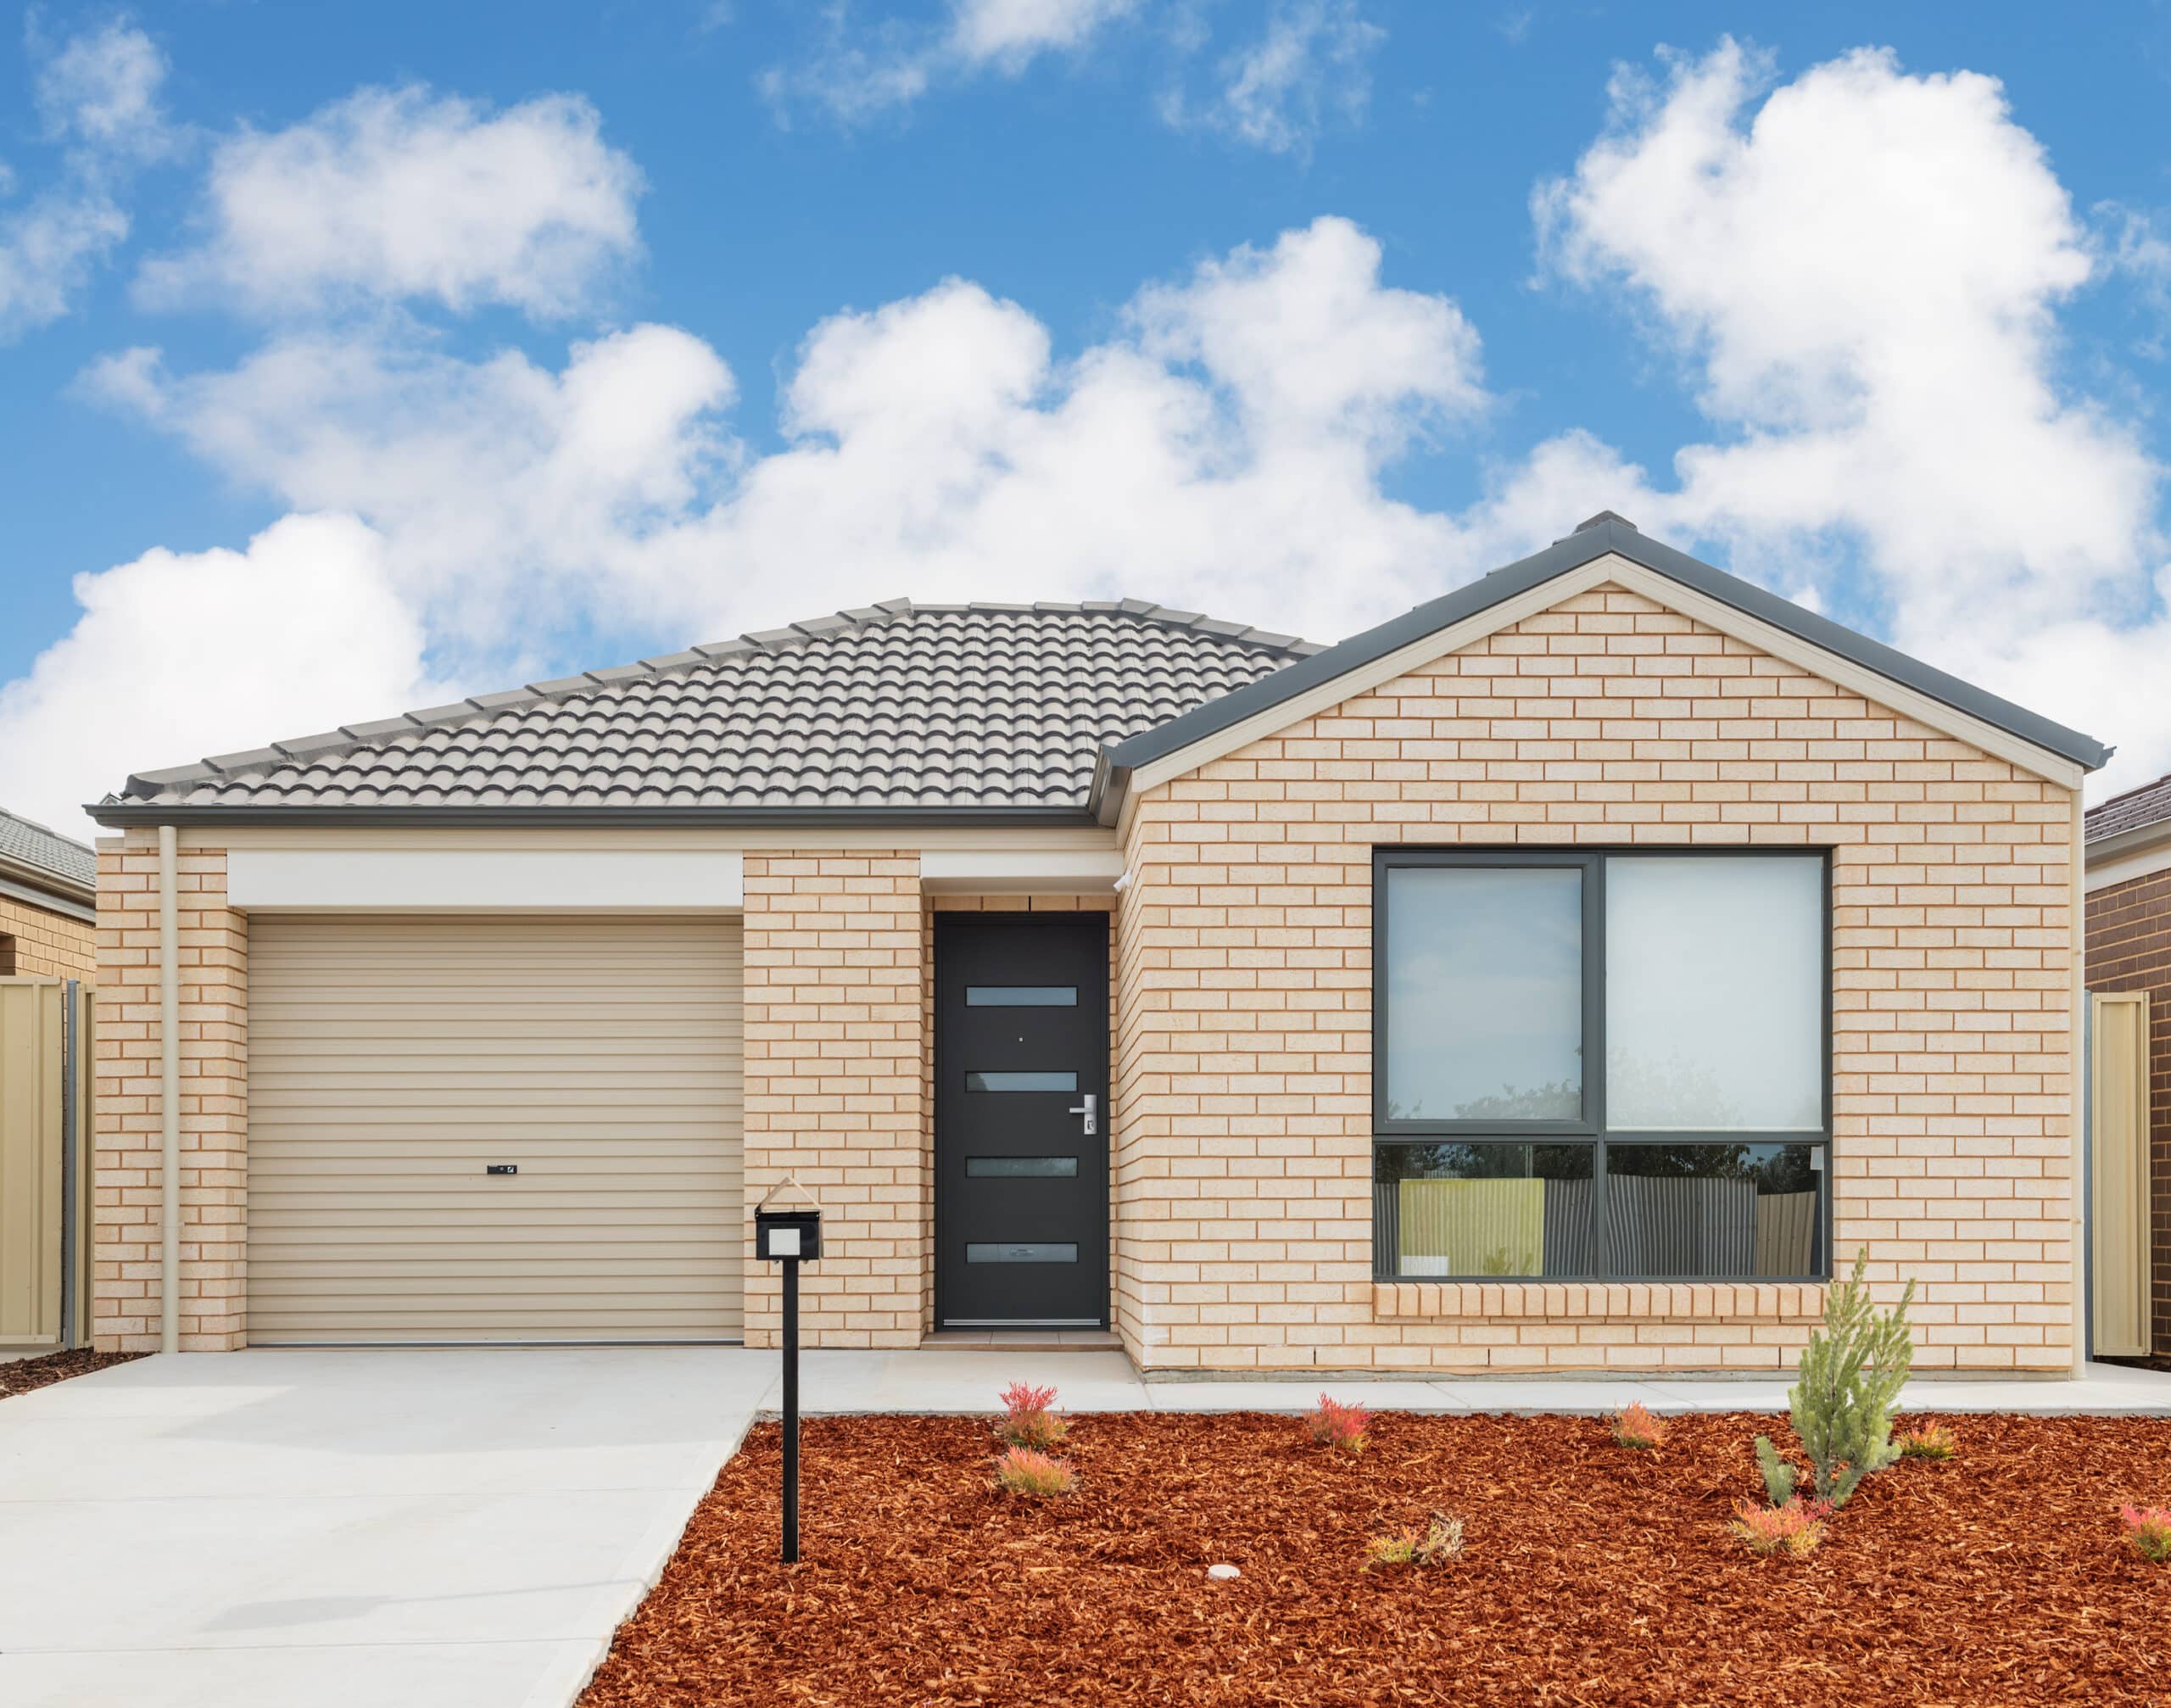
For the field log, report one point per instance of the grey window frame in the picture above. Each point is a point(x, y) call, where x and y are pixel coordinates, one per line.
point(1591, 1128)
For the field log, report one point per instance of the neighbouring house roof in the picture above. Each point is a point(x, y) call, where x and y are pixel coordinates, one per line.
point(36, 858)
point(1603, 534)
point(957, 708)
point(2125, 816)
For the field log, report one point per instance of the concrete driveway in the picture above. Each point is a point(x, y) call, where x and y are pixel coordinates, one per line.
point(463, 1528)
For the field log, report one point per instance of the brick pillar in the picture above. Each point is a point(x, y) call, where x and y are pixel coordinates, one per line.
point(834, 1087)
point(212, 942)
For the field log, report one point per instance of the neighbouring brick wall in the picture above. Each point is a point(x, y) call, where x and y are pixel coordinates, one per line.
point(48, 945)
point(1244, 1048)
point(2129, 948)
point(836, 1022)
point(213, 967)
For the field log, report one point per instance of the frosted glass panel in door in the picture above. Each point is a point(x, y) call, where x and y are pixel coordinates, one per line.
point(1715, 995)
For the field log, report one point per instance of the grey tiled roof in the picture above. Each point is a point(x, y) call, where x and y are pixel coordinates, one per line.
point(23, 843)
point(981, 706)
point(2149, 804)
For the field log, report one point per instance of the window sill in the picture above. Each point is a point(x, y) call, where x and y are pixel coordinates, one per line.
point(1600, 1301)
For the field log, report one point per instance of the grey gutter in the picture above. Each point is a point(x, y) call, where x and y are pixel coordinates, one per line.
point(1604, 533)
point(120, 815)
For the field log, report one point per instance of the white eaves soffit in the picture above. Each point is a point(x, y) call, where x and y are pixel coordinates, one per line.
point(1663, 590)
point(414, 881)
point(1019, 871)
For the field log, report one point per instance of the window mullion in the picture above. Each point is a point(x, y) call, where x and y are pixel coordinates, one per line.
point(1601, 1245)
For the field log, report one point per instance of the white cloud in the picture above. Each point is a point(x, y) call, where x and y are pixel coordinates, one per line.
point(1860, 271)
point(102, 89)
point(1225, 449)
point(1307, 67)
point(861, 71)
point(406, 194)
point(98, 97)
point(177, 655)
point(1013, 31)
point(1311, 66)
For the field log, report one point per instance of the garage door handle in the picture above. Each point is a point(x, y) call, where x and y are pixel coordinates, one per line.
point(501, 1168)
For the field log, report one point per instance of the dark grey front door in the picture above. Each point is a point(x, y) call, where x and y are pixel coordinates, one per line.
point(1021, 1119)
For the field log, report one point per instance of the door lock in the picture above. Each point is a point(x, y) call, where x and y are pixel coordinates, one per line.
point(1086, 1109)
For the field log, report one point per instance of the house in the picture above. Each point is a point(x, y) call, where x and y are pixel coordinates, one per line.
point(1561, 976)
point(2128, 930)
point(48, 903)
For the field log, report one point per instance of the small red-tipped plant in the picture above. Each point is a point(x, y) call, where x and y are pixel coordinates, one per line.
point(1439, 1542)
point(1637, 1426)
point(1027, 1418)
point(1934, 1442)
point(2148, 1531)
point(1344, 1427)
point(1021, 1471)
point(1795, 1529)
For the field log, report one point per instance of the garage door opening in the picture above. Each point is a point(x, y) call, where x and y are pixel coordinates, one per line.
point(502, 1131)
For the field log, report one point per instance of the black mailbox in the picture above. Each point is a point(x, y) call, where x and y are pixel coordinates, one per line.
point(779, 1234)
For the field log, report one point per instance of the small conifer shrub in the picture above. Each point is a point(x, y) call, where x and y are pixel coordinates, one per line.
point(1637, 1426)
point(2148, 1531)
point(1344, 1427)
point(1439, 1542)
point(1029, 1418)
point(1021, 1471)
point(1851, 1373)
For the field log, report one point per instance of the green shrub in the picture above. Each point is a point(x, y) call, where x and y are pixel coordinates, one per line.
point(1850, 1375)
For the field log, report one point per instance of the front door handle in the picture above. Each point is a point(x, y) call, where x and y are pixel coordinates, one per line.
point(1086, 1109)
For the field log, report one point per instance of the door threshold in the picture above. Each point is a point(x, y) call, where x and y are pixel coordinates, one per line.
point(1022, 1340)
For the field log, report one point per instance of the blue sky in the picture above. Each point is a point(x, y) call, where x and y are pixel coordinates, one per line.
point(359, 354)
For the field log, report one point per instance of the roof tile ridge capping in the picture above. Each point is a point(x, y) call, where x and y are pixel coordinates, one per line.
point(350, 737)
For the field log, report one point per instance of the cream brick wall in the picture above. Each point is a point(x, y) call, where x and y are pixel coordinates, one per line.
point(48, 945)
point(213, 968)
point(835, 1090)
point(1243, 1071)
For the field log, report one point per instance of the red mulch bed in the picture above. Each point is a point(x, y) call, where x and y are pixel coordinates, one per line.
point(22, 1375)
point(1592, 1574)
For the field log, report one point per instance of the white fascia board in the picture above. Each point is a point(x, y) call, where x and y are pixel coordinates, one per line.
point(475, 880)
point(1659, 589)
point(1019, 871)
point(2124, 868)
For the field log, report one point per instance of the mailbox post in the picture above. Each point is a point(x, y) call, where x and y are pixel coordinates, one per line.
point(790, 1236)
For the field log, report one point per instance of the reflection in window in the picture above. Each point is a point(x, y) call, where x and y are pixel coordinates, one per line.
point(1021, 995)
point(1031, 1252)
point(1737, 1212)
point(1022, 1167)
point(1483, 1210)
point(1485, 993)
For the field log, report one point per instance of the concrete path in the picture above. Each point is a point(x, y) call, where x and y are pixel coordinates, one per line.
point(946, 1381)
point(465, 1529)
point(437, 1529)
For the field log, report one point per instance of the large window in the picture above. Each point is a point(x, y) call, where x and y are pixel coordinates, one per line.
point(1601, 1065)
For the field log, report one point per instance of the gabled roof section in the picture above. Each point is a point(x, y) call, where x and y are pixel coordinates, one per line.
point(1604, 534)
point(2125, 815)
point(890, 709)
point(33, 856)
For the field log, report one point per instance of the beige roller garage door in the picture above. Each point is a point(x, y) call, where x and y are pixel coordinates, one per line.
point(392, 1061)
